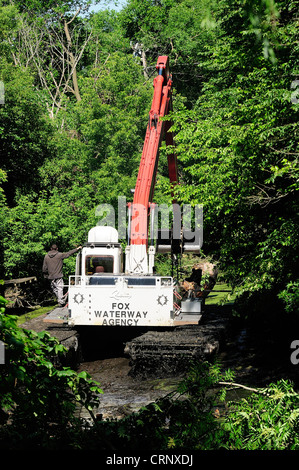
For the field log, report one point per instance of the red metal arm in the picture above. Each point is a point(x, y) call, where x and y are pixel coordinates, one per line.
point(156, 131)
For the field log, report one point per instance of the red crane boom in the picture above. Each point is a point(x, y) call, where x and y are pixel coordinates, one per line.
point(157, 130)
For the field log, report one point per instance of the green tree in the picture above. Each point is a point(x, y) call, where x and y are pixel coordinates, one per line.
point(238, 151)
point(49, 40)
point(24, 132)
point(3, 216)
point(93, 160)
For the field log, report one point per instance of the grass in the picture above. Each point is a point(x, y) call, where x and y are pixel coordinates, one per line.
point(34, 313)
point(220, 295)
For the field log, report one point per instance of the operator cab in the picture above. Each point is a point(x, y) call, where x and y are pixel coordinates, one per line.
point(100, 256)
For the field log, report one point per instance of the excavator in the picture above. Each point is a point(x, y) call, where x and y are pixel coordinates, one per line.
point(102, 292)
point(113, 286)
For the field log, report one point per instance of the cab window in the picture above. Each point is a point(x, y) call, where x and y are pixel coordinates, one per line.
point(98, 264)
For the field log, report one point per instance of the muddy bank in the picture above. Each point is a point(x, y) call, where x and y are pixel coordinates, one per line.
point(102, 357)
point(253, 366)
point(258, 360)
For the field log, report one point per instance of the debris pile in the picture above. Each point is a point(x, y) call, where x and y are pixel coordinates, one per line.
point(201, 281)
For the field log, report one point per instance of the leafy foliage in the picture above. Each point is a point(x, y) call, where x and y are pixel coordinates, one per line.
point(38, 398)
point(24, 132)
point(267, 420)
point(238, 150)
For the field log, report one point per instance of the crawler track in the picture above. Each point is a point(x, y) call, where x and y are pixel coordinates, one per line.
point(166, 353)
point(152, 353)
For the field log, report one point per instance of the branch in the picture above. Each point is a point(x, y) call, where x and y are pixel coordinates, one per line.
point(232, 384)
point(264, 201)
point(76, 14)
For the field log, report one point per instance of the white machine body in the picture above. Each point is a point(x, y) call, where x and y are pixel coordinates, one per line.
point(101, 293)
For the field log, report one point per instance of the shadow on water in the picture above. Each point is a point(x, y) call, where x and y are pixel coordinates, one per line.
point(259, 351)
point(105, 342)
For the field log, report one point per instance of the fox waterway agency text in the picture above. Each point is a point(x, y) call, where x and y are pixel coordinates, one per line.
point(155, 459)
point(120, 317)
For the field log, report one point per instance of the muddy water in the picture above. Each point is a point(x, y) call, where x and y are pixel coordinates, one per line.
point(255, 363)
point(124, 394)
point(106, 363)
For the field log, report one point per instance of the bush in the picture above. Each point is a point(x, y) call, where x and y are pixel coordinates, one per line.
point(267, 420)
point(38, 400)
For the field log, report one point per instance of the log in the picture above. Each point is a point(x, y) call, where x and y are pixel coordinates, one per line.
point(11, 290)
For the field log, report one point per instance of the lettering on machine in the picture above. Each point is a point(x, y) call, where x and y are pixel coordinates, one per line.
point(120, 314)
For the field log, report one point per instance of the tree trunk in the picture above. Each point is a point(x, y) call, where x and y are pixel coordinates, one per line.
point(72, 61)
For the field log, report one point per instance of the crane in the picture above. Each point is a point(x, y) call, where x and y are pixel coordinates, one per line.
point(105, 291)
